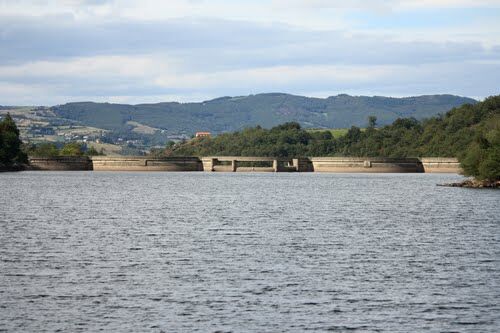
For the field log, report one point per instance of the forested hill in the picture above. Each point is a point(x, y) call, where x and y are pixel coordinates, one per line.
point(453, 134)
point(234, 113)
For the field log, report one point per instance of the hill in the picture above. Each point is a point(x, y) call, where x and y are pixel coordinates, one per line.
point(469, 132)
point(227, 114)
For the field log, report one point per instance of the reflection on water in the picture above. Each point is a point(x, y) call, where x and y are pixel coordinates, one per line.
point(83, 251)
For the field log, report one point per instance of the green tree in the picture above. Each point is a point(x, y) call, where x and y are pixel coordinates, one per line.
point(93, 152)
point(45, 149)
point(372, 122)
point(10, 144)
point(72, 149)
point(482, 158)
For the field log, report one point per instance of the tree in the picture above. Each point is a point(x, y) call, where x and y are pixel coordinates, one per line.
point(372, 122)
point(93, 152)
point(10, 144)
point(353, 135)
point(482, 158)
point(44, 150)
point(72, 149)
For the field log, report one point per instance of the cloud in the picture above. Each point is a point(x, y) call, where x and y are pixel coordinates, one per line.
point(410, 4)
point(138, 51)
point(24, 39)
point(217, 44)
point(142, 78)
point(386, 4)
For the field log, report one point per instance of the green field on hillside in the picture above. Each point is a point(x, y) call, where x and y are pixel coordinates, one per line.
point(336, 132)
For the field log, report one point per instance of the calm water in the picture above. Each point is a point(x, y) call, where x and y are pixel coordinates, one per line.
point(183, 252)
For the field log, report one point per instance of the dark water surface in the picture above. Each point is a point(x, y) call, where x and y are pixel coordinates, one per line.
point(183, 252)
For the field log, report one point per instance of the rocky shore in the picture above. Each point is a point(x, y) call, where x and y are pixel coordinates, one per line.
point(474, 183)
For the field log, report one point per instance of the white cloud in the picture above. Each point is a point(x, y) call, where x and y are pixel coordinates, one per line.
point(97, 67)
point(412, 4)
point(138, 79)
point(277, 76)
point(383, 5)
point(150, 50)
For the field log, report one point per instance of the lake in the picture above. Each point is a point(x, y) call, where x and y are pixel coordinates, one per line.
point(242, 252)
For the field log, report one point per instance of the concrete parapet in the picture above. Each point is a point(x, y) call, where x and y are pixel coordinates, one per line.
point(60, 163)
point(440, 165)
point(140, 163)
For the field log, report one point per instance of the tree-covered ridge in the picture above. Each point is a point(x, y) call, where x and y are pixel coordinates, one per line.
point(447, 135)
point(234, 113)
point(470, 132)
point(11, 155)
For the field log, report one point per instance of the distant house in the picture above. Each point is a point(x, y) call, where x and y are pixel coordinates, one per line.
point(202, 134)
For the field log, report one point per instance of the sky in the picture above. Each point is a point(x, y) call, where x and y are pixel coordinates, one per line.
point(124, 51)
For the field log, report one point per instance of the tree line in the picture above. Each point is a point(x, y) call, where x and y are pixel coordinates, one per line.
point(48, 149)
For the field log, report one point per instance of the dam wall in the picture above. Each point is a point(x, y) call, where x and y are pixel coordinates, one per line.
point(60, 163)
point(140, 163)
point(249, 164)
point(365, 164)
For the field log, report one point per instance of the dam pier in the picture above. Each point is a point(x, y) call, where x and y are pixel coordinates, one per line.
point(248, 164)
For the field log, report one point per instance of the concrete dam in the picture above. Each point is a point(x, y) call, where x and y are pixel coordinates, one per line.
point(248, 164)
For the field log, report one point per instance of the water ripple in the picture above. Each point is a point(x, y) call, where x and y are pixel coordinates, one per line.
point(184, 252)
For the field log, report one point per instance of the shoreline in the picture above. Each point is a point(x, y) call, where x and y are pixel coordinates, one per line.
point(473, 183)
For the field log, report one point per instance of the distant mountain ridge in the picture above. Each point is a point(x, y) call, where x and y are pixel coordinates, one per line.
point(226, 114)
